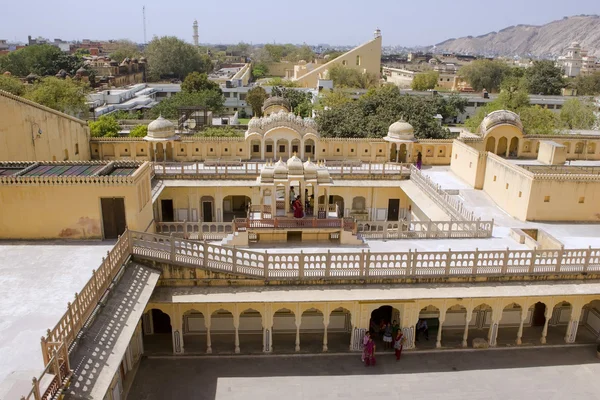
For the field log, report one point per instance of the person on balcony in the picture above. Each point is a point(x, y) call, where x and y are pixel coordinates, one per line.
point(292, 196)
point(419, 160)
point(298, 209)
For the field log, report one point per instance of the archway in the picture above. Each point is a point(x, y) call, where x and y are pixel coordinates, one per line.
point(235, 207)
point(284, 331)
point(312, 331)
point(269, 149)
point(282, 148)
point(490, 144)
point(207, 207)
point(502, 145)
point(513, 149)
point(508, 326)
point(393, 152)
point(157, 329)
point(339, 330)
point(589, 323)
point(296, 147)
point(568, 146)
point(428, 326)
point(559, 323)
point(251, 331)
point(339, 202)
point(194, 332)
point(579, 148)
point(480, 322)
point(255, 149)
point(309, 149)
point(403, 152)
point(454, 332)
point(222, 331)
point(160, 152)
point(169, 151)
point(380, 317)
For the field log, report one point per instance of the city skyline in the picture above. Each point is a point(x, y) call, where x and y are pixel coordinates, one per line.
point(335, 24)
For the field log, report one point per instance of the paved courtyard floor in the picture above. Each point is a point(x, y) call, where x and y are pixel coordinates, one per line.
point(528, 374)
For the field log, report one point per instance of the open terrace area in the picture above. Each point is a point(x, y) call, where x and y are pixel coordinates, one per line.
point(526, 374)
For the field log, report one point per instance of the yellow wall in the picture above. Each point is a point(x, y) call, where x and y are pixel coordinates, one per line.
point(468, 163)
point(63, 137)
point(71, 211)
point(560, 200)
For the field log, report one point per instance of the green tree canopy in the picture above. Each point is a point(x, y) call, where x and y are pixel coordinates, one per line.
point(197, 82)
point(295, 97)
point(577, 114)
point(169, 56)
point(425, 80)
point(372, 114)
point(220, 131)
point(485, 74)
point(450, 106)
point(544, 78)
point(63, 95)
point(42, 60)
point(587, 85)
point(256, 98)
point(125, 49)
point(12, 85)
point(139, 131)
point(539, 120)
point(344, 77)
point(168, 107)
point(105, 126)
point(333, 98)
point(260, 70)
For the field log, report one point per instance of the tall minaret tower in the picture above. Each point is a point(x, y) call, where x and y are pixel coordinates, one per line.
point(195, 33)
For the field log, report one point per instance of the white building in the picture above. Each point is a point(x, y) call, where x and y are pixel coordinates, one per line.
point(577, 61)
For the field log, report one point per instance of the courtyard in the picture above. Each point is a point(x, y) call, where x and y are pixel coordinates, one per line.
point(538, 373)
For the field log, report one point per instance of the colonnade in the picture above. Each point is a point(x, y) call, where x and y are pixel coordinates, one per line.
point(489, 313)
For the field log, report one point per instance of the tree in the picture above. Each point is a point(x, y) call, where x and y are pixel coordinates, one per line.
point(588, 85)
point(304, 109)
point(197, 82)
point(544, 78)
point(539, 120)
point(576, 114)
point(139, 131)
point(485, 74)
point(425, 80)
point(125, 49)
point(450, 106)
point(168, 107)
point(12, 85)
point(169, 56)
point(63, 95)
point(351, 78)
point(42, 60)
point(277, 81)
point(105, 126)
point(333, 98)
point(513, 94)
point(220, 131)
point(260, 70)
point(295, 97)
point(256, 98)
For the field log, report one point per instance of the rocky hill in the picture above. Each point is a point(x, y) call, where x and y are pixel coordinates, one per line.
point(546, 40)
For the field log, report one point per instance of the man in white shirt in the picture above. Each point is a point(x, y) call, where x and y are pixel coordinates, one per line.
point(422, 327)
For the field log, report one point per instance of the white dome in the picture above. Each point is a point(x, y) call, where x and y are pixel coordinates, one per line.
point(310, 170)
point(500, 117)
point(267, 173)
point(161, 128)
point(401, 130)
point(280, 170)
point(294, 165)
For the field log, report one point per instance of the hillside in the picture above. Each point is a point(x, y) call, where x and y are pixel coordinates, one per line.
point(546, 40)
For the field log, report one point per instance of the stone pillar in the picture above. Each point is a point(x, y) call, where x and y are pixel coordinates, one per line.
point(177, 331)
point(274, 149)
point(325, 325)
point(548, 315)
point(441, 319)
point(352, 334)
point(573, 324)
point(298, 322)
point(286, 197)
point(524, 313)
point(262, 149)
point(274, 202)
point(236, 325)
point(468, 316)
point(302, 149)
point(289, 148)
point(207, 325)
point(268, 330)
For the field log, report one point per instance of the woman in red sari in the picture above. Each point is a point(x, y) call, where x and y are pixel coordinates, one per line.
point(298, 209)
point(370, 353)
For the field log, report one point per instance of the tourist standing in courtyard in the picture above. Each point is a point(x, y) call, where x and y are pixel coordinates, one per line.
point(387, 336)
point(364, 345)
point(398, 344)
point(298, 209)
point(370, 353)
point(422, 327)
point(419, 160)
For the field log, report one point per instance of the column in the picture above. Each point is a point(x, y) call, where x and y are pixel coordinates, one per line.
point(262, 149)
point(267, 330)
point(289, 148)
point(298, 322)
point(548, 315)
point(573, 324)
point(236, 325)
point(351, 347)
point(493, 332)
point(468, 316)
point(302, 188)
point(274, 150)
point(302, 149)
point(274, 202)
point(207, 325)
point(524, 313)
point(177, 331)
point(441, 319)
point(325, 324)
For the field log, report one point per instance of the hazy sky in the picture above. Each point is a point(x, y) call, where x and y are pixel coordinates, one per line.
point(349, 22)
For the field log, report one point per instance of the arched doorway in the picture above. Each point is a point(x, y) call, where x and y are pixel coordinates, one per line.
point(403, 153)
point(502, 145)
point(282, 149)
point(312, 330)
point(588, 331)
point(255, 149)
point(269, 149)
point(235, 207)
point(339, 330)
point(538, 317)
point(339, 202)
point(251, 331)
point(169, 156)
point(207, 208)
point(194, 332)
point(428, 326)
point(157, 332)
point(513, 149)
point(508, 326)
point(161, 322)
point(455, 333)
point(559, 323)
point(222, 331)
point(380, 317)
point(393, 152)
point(284, 331)
point(160, 152)
point(296, 147)
point(490, 144)
point(309, 149)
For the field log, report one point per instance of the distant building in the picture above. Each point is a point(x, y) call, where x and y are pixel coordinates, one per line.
point(577, 62)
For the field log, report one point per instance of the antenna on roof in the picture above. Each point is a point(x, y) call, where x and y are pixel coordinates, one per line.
point(144, 18)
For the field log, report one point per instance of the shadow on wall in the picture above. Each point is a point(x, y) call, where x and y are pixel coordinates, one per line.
point(86, 228)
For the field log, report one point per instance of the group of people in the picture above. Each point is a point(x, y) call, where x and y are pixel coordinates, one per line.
point(300, 210)
point(392, 338)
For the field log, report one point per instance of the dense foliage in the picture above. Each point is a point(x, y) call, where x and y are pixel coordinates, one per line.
point(260, 70)
point(12, 85)
point(125, 49)
point(372, 114)
point(300, 101)
point(105, 126)
point(588, 85)
point(63, 95)
point(344, 77)
point(256, 98)
point(170, 57)
point(41, 60)
point(544, 78)
point(197, 82)
point(425, 81)
point(139, 131)
point(224, 131)
point(485, 74)
point(168, 108)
